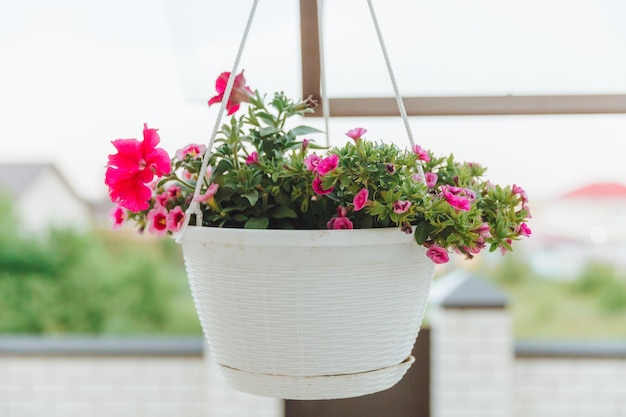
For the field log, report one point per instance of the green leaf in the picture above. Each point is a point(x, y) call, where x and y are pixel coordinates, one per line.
point(252, 196)
point(240, 217)
point(422, 230)
point(303, 130)
point(257, 223)
point(282, 212)
point(268, 131)
point(268, 118)
point(221, 167)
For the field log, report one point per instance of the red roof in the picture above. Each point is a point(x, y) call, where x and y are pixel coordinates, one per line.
point(599, 190)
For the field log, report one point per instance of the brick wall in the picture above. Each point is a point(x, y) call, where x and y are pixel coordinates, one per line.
point(98, 377)
point(569, 387)
point(68, 386)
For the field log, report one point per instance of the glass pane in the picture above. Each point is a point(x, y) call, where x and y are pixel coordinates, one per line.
point(482, 47)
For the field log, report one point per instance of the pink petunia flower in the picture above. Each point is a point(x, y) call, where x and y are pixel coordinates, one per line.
point(157, 221)
point(327, 164)
point(162, 199)
point(119, 216)
point(132, 167)
point(337, 223)
point(421, 153)
point(174, 191)
point(504, 250)
point(253, 158)
point(312, 161)
point(356, 133)
point(484, 230)
point(520, 191)
point(401, 206)
point(240, 92)
point(317, 187)
point(193, 150)
point(209, 195)
point(431, 179)
point(342, 211)
point(524, 230)
point(437, 254)
point(360, 199)
point(175, 219)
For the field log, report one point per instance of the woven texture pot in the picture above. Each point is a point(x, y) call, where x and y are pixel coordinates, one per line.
point(314, 314)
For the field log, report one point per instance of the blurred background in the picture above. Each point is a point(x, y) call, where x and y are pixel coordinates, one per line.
point(75, 75)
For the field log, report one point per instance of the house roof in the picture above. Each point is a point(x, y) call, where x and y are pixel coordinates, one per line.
point(463, 289)
point(598, 190)
point(15, 178)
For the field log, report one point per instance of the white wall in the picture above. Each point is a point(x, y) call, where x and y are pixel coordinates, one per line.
point(49, 202)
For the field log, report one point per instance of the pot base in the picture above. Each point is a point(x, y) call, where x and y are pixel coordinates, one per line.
point(322, 387)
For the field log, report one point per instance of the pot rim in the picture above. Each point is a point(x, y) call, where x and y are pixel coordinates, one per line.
point(309, 238)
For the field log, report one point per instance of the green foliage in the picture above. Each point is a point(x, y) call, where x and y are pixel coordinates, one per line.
point(590, 306)
point(607, 285)
point(261, 176)
point(70, 282)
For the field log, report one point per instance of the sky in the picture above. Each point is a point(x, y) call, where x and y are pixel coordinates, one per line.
point(75, 75)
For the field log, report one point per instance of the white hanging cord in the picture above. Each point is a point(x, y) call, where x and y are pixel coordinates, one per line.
point(396, 90)
point(325, 100)
point(194, 206)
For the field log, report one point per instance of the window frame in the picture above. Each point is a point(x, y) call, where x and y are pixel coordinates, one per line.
point(437, 105)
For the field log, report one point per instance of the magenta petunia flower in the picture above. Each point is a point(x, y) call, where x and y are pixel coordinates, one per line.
point(459, 202)
point(193, 150)
point(317, 187)
point(327, 164)
point(457, 197)
point(360, 199)
point(337, 223)
point(119, 216)
point(401, 206)
point(253, 158)
point(421, 153)
point(312, 161)
point(437, 254)
point(356, 133)
point(133, 167)
point(175, 219)
point(157, 221)
point(240, 92)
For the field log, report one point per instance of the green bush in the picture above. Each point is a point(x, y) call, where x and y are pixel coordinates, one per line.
point(608, 287)
point(71, 282)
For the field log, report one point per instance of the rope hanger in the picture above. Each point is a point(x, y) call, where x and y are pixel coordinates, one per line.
point(194, 207)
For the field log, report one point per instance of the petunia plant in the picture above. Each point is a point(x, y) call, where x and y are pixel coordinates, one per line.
point(263, 174)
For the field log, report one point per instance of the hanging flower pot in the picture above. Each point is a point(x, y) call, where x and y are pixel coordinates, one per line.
point(309, 266)
point(309, 314)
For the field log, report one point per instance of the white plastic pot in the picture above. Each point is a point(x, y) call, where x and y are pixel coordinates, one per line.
point(316, 314)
